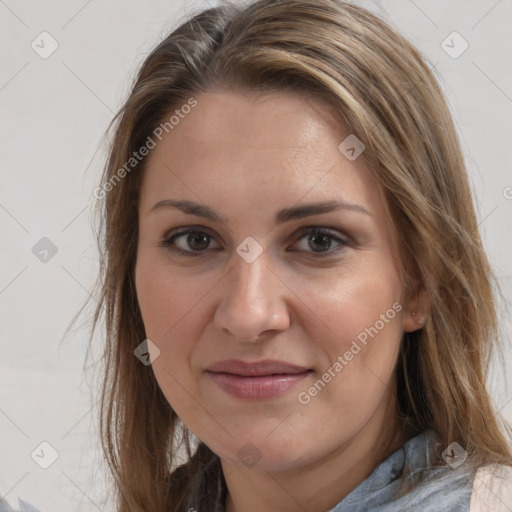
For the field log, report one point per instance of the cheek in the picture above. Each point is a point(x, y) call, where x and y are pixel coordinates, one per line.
point(173, 311)
point(354, 305)
point(357, 324)
point(167, 296)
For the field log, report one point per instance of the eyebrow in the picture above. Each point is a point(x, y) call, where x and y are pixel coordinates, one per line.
point(282, 216)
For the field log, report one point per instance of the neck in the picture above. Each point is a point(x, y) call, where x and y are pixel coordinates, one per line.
point(319, 485)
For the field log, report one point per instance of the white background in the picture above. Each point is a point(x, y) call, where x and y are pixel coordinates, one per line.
point(54, 112)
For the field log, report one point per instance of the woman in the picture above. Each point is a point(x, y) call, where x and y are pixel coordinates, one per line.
point(299, 310)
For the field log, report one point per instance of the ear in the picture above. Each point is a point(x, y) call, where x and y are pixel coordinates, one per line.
point(417, 309)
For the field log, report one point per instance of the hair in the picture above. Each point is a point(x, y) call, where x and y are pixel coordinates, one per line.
point(378, 85)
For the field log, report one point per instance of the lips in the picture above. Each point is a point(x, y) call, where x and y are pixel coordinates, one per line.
point(258, 380)
point(259, 368)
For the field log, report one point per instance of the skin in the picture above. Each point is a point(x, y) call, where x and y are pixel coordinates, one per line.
point(246, 158)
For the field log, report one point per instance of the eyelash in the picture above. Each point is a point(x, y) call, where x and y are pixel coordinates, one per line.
point(168, 241)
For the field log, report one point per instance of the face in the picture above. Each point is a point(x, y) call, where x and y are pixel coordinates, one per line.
point(267, 277)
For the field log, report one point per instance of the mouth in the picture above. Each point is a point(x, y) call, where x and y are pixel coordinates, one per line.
point(258, 380)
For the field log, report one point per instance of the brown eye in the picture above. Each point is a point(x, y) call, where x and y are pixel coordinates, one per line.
point(321, 242)
point(198, 241)
point(190, 242)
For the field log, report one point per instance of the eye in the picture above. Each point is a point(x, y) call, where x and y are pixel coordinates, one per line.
point(320, 241)
point(189, 242)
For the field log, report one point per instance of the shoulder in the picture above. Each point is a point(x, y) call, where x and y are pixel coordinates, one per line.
point(492, 489)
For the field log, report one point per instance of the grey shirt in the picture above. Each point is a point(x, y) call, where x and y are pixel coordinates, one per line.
point(411, 480)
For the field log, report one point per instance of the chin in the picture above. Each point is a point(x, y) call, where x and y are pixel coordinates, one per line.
point(267, 455)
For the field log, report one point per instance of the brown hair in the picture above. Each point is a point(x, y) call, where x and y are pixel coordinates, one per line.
point(380, 87)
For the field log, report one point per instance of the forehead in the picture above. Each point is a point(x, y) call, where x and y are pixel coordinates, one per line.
point(238, 141)
point(253, 120)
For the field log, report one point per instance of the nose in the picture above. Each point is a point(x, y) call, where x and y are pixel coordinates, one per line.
point(252, 305)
